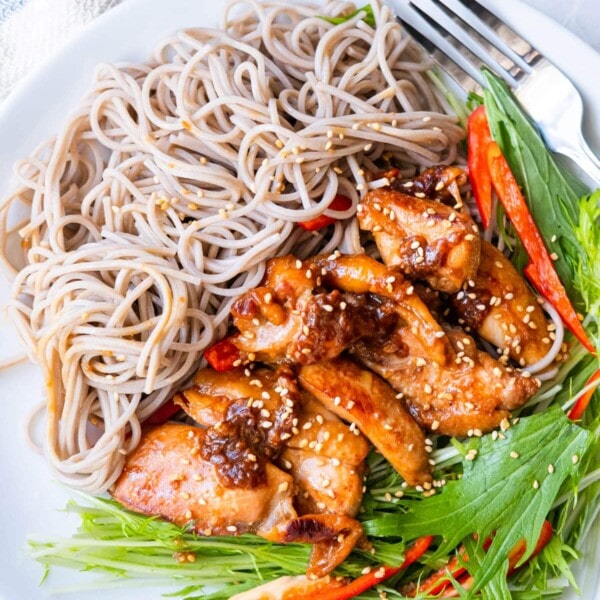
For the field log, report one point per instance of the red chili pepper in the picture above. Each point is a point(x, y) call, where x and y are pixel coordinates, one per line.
point(163, 414)
point(340, 202)
point(479, 137)
point(466, 580)
point(373, 578)
point(222, 355)
point(514, 556)
point(581, 404)
point(540, 271)
point(439, 581)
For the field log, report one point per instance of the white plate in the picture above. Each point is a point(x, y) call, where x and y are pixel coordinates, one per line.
point(31, 501)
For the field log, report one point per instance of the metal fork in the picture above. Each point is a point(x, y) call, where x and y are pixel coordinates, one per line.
point(463, 36)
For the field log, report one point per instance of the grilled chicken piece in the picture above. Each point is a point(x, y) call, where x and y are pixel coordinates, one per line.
point(293, 316)
point(272, 396)
point(423, 238)
point(367, 401)
point(320, 452)
point(440, 183)
point(501, 308)
point(475, 392)
point(326, 461)
point(170, 475)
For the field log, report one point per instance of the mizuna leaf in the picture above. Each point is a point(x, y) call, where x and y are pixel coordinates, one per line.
point(507, 496)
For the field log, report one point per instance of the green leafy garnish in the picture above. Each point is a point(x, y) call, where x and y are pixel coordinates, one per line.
point(587, 233)
point(553, 200)
point(129, 545)
point(369, 17)
point(497, 492)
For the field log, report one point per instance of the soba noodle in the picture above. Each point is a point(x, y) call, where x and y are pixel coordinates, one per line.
point(171, 184)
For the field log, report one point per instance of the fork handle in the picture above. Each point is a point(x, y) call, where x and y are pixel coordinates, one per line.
point(585, 159)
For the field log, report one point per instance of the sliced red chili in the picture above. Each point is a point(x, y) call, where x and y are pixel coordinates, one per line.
point(373, 578)
point(163, 414)
point(223, 355)
point(340, 203)
point(540, 271)
point(579, 407)
point(479, 137)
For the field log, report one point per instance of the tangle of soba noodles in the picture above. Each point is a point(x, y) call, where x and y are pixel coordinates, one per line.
point(172, 183)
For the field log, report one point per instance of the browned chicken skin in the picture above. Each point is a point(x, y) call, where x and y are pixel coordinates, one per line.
point(500, 307)
point(361, 397)
point(475, 392)
point(325, 459)
point(423, 238)
point(293, 316)
point(440, 183)
point(167, 475)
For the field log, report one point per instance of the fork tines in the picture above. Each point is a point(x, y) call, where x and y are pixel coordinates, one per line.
point(463, 36)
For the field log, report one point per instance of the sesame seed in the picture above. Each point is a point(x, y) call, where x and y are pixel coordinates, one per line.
point(575, 459)
point(328, 307)
point(550, 469)
point(536, 484)
point(421, 362)
point(435, 425)
point(514, 454)
point(367, 147)
point(231, 528)
point(471, 454)
point(188, 514)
